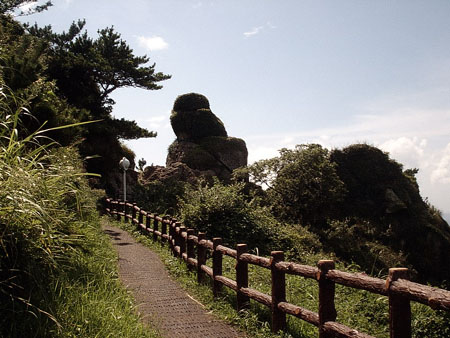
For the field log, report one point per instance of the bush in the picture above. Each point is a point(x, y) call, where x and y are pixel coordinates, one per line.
point(303, 186)
point(224, 211)
point(356, 241)
point(159, 197)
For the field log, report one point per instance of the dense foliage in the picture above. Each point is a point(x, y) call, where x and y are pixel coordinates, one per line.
point(226, 212)
point(70, 77)
point(58, 274)
point(303, 185)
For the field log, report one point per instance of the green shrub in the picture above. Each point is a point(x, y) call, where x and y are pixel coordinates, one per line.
point(159, 197)
point(357, 242)
point(224, 211)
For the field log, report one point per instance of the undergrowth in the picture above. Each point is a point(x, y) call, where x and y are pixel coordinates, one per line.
point(58, 271)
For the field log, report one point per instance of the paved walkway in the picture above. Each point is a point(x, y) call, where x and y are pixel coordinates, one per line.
point(161, 301)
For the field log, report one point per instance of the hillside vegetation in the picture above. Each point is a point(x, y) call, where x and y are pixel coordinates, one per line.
point(355, 203)
point(58, 271)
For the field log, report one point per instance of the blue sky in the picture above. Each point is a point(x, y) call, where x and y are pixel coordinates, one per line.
point(280, 73)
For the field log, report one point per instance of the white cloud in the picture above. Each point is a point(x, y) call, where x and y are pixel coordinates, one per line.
point(157, 122)
point(406, 150)
point(256, 152)
point(257, 30)
point(441, 172)
point(254, 31)
point(152, 43)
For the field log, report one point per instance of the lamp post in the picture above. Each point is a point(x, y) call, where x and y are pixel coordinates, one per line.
point(124, 164)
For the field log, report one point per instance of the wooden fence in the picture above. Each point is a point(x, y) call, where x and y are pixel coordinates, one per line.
point(193, 250)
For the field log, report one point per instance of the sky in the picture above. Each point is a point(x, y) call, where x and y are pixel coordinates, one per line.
point(287, 72)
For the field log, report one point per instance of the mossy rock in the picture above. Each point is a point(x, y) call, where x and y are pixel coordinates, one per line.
point(229, 151)
point(196, 124)
point(219, 154)
point(190, 102)
point(191, 154)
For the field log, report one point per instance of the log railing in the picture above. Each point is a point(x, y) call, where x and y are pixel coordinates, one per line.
point(193, 250)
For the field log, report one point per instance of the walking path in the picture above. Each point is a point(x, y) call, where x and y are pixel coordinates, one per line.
point(161, 301)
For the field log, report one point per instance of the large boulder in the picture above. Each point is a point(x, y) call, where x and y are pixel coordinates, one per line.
point(217, 153)
point(202, 142)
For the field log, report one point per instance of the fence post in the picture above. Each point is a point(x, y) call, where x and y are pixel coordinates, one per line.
point(183, 240)
point(327, 310)
point(118, 211)
point(141, 218)
point(217, 266)
point(111, 207)
point(201, 258)
point(163, 229)
point(177, 237)
point(243, 301)
point(125, 211)
point(133, 213)
point(171, 234)
point(399, 307)
point(190, 247)
point(278, 292)
point(147, 220)
point(155, 227)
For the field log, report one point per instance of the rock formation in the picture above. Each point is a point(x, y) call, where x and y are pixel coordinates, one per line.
point(202, 147)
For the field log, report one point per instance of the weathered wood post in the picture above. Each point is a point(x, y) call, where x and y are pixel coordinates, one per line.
point(278, 292)
point(141, 218)
point(163, 229)
point(399, 307)
point(243, 301)
point(111, 207)
point(118, 211)
point(147, 220)
point(125, 212)
point(183, 240)
point(201, 258)
point(171, 233)
point(177, 237)
point(133, 213)
point(327, 310)
point(217, 266)
point(190, 247)
point(155, 227)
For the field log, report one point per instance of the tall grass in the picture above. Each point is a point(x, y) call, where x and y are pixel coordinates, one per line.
point(58, 272)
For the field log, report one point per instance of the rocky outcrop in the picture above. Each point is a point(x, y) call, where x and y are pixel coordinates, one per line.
point(202, 147)
point(379, 191)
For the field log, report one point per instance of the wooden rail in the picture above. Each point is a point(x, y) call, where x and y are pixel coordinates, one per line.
point(193, 250)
